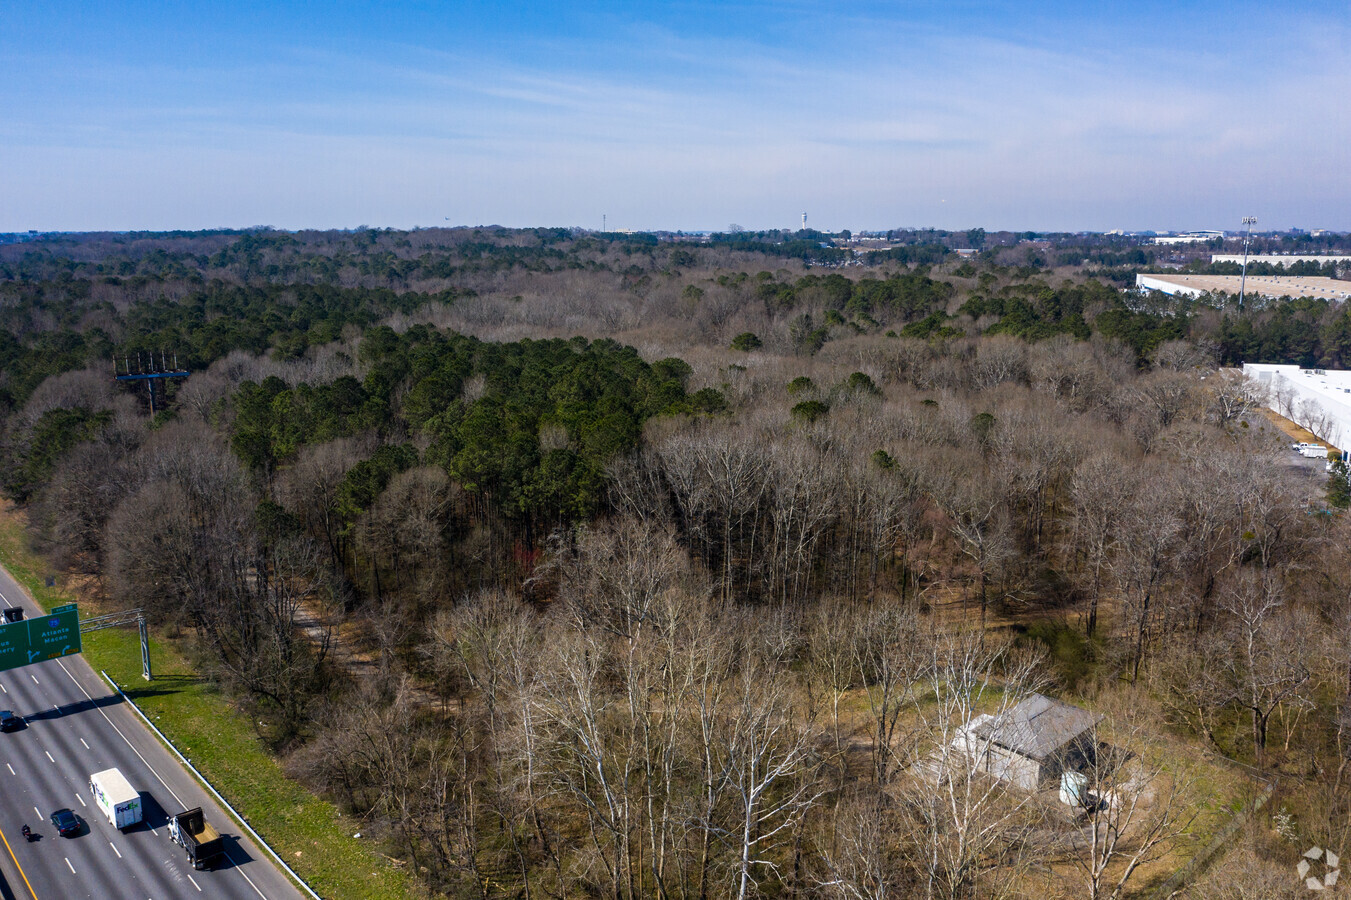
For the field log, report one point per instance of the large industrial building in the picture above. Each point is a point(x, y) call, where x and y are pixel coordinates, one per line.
point(1270, 286)
point(1318, 399)
point(1274, 259)
point(1190, 237)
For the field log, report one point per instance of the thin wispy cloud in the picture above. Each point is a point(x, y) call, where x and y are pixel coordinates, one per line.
point(867, 120)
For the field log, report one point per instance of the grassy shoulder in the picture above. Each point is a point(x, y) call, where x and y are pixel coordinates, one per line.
point(311, 834)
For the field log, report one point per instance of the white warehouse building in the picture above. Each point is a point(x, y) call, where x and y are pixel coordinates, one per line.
point(1318, 399)
point(1274, 259)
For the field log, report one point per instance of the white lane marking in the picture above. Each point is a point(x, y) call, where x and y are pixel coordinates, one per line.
point(157, 775)
point(11, 769)
point(38, 811)
point(246, 878)
point(194, 883)
point(3, 688)
point(86, 746)
point(115, 850)
point(49, 756)
point(81, 799)
point(72, 868)
point(34, 677)
point(154, 832)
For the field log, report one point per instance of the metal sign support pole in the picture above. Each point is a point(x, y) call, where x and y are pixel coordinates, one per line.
point(145, 648)
point(118, 619)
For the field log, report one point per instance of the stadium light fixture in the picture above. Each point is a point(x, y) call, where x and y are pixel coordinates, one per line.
point(1249, 222)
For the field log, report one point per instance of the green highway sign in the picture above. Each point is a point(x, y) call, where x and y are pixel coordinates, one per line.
point(46, 637)
point(13, 645)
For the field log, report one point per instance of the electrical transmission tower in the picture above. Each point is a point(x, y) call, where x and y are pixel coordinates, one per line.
point(152, 371)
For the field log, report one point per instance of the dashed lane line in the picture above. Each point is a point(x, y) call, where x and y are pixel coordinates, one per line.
point(157, 775)
point(68, 865)
point(86, 746)
point(152, 769)
point(49, 755)
point(11, 769)
point(115, 850)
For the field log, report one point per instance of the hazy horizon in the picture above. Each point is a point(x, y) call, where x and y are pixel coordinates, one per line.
point(691, 116)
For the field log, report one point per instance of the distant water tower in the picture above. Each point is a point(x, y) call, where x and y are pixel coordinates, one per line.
point(804, 221)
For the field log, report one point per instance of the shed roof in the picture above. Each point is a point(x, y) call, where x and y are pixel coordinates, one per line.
point(1036, 727)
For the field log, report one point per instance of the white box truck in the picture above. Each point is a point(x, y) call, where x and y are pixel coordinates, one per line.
point(115, 796)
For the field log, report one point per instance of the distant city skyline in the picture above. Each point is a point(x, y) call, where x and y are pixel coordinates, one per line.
point(678, 116)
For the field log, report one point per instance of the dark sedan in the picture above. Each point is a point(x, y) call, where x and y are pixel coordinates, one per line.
point(66, 823)
point(9, 721)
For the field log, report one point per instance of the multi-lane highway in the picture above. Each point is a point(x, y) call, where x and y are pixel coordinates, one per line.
point(77, 725)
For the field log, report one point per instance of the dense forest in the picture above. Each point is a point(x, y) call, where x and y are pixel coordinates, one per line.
point(682, 562)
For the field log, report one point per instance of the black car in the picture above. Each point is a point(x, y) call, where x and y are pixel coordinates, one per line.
point(9, 721)
point(66, 823)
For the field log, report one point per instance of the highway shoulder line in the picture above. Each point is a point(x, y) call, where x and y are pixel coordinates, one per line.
point(152, 769)
point(17, 866)
point(234, 863)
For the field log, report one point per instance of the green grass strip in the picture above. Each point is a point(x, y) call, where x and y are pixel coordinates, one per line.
point(311, 834)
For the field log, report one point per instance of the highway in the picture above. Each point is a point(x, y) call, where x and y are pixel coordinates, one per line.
point(77, 725)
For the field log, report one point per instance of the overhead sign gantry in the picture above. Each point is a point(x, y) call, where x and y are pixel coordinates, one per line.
point(57, 633)
point(49, 636)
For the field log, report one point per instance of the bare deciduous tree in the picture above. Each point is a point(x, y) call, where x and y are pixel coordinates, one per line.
point(1270, 653)
point(832, 658)
point(309, 488)
point(1133, 805)
point(1166, 394)
point(1149, 532)
point(1233, 396)
point(769, 772)
point(1099, 491)
point(979, 519)
point(970, 827)
point(863, 861)
point(889, 656)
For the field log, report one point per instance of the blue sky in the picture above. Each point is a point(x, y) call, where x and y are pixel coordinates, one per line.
point(693, 115)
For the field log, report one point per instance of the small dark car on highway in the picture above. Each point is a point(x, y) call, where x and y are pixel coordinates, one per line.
point(9, 721)
point(66, 823)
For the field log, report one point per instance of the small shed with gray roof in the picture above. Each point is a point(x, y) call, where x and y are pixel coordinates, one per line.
point(1032, 743)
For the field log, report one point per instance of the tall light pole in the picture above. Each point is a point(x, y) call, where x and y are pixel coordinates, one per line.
point(1249, 221)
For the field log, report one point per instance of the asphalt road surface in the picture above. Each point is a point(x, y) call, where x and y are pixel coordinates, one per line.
point(77, 725)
